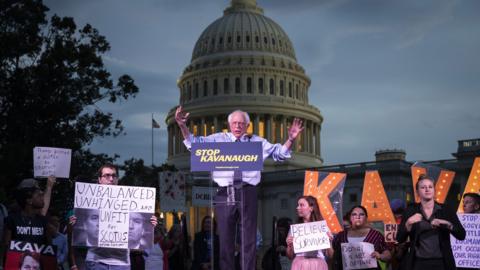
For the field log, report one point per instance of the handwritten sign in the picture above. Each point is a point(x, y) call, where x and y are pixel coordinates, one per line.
point(113, 216)
point(49, 161)
point(390, 231)
point(357, 255)
point(467, 252)
point(202, 196)
point(310, 236)
point(26, 255)
point(172, 191)
point(226, 156)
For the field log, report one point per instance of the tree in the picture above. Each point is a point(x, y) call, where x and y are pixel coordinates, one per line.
point(52, 79)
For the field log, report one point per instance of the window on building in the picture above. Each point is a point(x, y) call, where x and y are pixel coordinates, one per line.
point(296, 91)
point(257, 39)
point(226, 86)
point(247, 38)
point(196, 90)
point(284, 204)
point(290, 89)
point(239, 38)
point(282, 88)
point(272, 87)
point(220, 41)
point(249, 85)
point(205, 88)
point(215, 87)
point(237, 85)
point(260, 85)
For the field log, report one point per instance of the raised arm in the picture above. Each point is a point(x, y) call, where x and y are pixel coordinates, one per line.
point(295, 129)
point(51, 180)
point(182, 117)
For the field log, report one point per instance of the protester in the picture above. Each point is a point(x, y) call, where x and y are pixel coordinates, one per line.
point(28, 225)
point(360, 231)
point(156, 258)
point(47, 194)
point(58, 239)
point(206, 246)
point(428, 225)
point(176, 255)
point(99, 258)
point(30, 261)
point(238, 186)
point(276, 256)
point(307, 211)
point(471, 203)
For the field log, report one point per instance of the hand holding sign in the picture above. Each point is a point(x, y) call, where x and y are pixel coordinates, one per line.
point(309, 236)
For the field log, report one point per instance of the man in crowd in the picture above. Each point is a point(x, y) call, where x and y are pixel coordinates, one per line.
point(99, 258)
point(242, 185)
point(471, 203)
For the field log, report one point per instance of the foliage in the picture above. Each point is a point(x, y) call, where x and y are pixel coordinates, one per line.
point(52, 85)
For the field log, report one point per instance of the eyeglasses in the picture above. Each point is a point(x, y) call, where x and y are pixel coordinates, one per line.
point(108, 175)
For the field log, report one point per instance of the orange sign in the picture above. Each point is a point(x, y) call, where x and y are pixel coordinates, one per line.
point(375, 200)
point(473, 183)
point(442, 185)
point(328, 185)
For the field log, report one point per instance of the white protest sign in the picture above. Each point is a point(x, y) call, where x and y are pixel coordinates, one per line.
point(358, 255)
point(49, 161)
point(202, 196)
point(310, 236)
point(172, 191)
point(390, 231)
point(467, 252)
point(113, 216)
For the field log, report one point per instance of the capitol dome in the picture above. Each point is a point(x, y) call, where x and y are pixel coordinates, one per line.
point(243, 29)
point(244, 60)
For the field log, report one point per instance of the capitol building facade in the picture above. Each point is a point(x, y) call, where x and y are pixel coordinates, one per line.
point(244, 60)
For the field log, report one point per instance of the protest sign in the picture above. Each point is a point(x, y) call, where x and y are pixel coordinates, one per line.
point(202, 196)
point(25, 255)
point(49, 161)
point(172, 191)
point(467, 252)
point(113, 216)
point(310, 236)
point(358, 255)
point(327, 188)
point(226, 156)
point(390, 231)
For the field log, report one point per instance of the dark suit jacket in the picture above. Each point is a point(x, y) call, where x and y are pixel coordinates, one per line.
point(200, 250)
point(444, 235)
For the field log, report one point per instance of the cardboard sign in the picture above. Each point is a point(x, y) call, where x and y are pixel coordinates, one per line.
point(467, 252)
point(358, 255)
point(113, 216)
point(49, 161)
point(202, 196)
point(25, 255)
point(172, 191)
point(226, 156)
point(310, 236)
point(390, 231)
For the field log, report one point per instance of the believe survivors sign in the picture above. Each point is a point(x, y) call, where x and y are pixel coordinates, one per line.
point(310, 236)
point(467, 252)
point(113, 216)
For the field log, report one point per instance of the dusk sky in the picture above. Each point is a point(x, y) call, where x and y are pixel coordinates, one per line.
point(385, 74)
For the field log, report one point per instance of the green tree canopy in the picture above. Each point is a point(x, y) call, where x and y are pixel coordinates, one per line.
point(52, 79)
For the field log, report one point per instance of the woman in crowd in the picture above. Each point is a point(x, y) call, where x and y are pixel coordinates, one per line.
point(307, 211)
point(205, 246)
point(360, 231)
point(471, 203)
point(429, 225)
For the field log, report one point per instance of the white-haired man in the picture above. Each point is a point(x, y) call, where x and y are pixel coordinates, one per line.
point(245, 212)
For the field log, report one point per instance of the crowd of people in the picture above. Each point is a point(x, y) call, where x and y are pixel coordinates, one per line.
point(230, 241)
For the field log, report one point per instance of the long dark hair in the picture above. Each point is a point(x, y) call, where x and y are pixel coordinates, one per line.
point(312, 202)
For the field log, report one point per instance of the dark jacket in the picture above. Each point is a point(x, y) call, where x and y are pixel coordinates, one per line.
point(444, 235)
point(200, 250)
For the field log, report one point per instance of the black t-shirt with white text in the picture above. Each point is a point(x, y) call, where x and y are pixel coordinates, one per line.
point(29, 229)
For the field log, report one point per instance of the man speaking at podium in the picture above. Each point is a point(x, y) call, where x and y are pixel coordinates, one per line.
point(238, 186)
